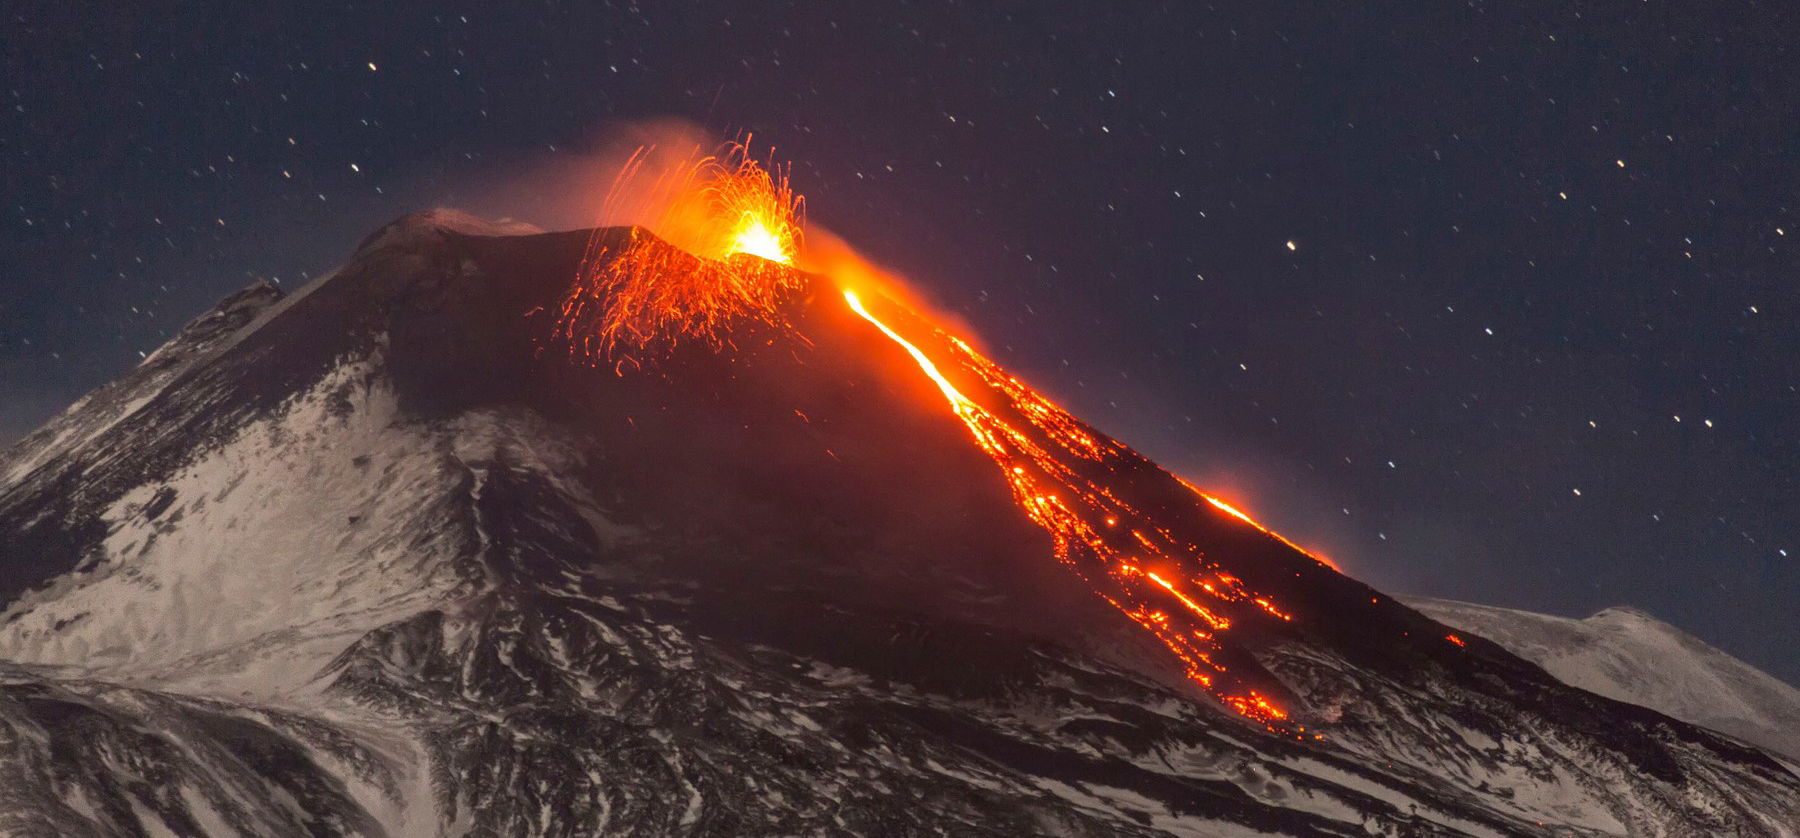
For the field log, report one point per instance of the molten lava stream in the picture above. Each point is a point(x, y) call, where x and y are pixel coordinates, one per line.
point(1091, 528)
point(735, 233)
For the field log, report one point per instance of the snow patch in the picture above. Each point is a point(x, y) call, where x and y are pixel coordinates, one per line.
point(222, 575)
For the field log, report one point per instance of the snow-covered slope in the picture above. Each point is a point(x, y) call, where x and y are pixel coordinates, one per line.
point(1626, 654)
point(375, 558)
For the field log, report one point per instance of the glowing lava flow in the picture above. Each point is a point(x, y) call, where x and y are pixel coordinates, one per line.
point(1117, 562)
point(741, 220)
point(1233, 512)
point(957, 400)
point(735, 233)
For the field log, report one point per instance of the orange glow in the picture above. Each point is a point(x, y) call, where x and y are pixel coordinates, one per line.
point(956, 398)
point(1235, 513)
point(1075, 511)
point(1454, 639)
point(1257, 707)
point(1231, 510)
point(755, 238)
point(1211, 618)
point(735, 230)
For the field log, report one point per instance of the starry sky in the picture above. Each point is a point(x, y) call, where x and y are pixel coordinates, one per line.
point(1487, 301)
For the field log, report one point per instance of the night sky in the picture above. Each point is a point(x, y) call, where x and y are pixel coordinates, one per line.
point(1494, 302)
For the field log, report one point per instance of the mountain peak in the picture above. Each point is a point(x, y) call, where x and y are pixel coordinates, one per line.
point(434, 567)
point(1626, 614)
point(453, 220)
point(232, 313)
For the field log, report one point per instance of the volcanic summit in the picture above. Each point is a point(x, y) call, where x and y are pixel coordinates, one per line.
point(485, 533)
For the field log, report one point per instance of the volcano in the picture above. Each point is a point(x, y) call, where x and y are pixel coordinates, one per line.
point(399, 554)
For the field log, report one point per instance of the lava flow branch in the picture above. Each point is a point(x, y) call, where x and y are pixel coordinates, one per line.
point(742, 225)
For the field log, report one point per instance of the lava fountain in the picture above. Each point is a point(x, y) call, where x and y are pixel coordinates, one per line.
point(736, 229)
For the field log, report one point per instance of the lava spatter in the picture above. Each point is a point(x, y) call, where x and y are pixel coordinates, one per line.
point(736, 228)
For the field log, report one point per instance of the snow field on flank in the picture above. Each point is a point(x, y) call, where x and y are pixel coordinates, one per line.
point(406, 808)
point(1627, 655)
point(231, 584)
point(75, 426)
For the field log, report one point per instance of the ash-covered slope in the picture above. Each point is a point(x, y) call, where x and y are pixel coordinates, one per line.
point(1626, 654)
point(380, 557)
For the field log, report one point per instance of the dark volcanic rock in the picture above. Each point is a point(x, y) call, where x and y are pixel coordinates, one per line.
point(382, 557)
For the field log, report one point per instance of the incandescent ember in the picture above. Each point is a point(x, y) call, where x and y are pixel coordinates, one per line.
point(735, 226)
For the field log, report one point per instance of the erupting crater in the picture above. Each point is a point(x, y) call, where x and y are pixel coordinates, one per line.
point(736, 231)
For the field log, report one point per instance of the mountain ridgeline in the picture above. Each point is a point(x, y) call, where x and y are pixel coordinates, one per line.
point(387, 556)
